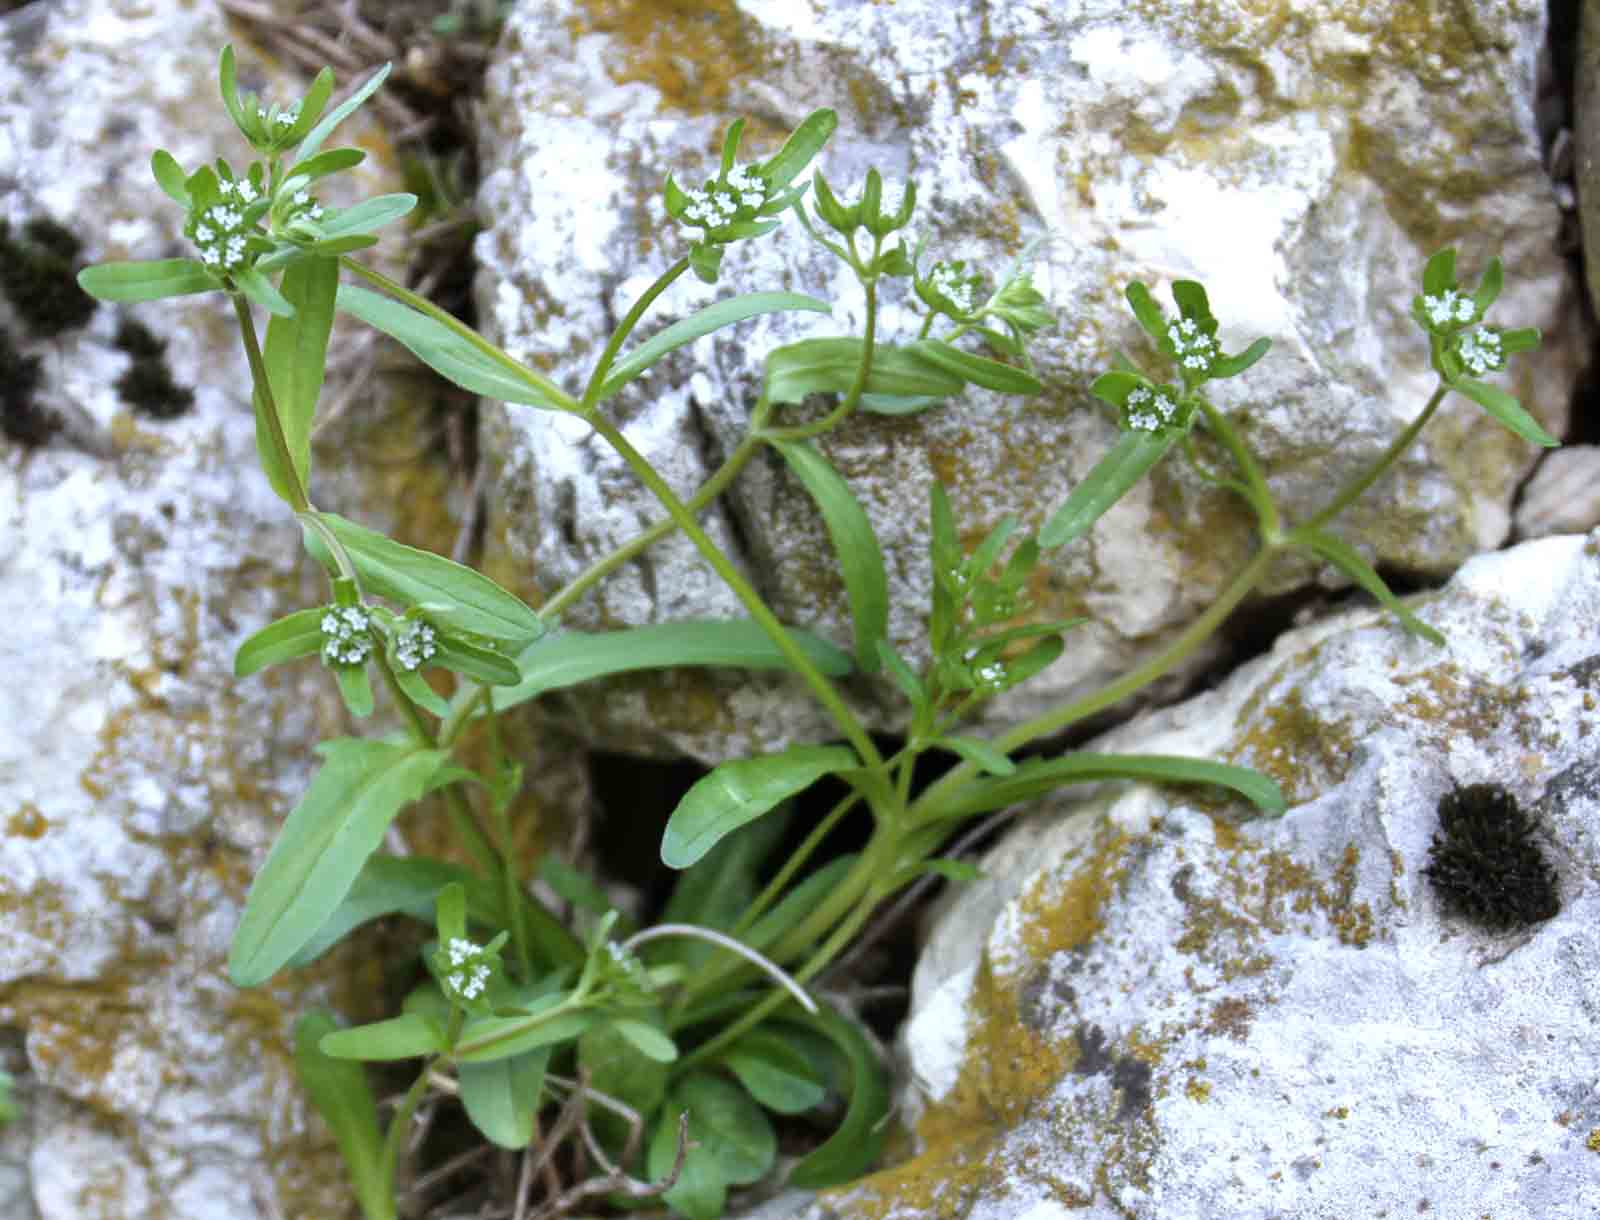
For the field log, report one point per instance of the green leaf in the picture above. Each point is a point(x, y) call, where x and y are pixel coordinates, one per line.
point(1506, 410)
point(617, 1068)
point(1190, 296)
point(146, 281)
point(453, 595)
point(829, 366)
point(259, 290)
point(979, 753)
point(502, 1097)
point(311, 106)
point(894, 404)
point(333, 161)
point(866, 581)
point(958, 871)
point(649, 1040)
point(411, 1035)
point(703, 322)
point(447, 353)
point(716, 890)
point(480, 664)
point(572, 886)
point(339, 1091)
point(855, 1146)
point(799, 149)
point(485, 1039)
point(319, 133)
point(369, 215)
point(1440, 273)
point(1345, 557)
point(289, 638)
point(979, 370)
point(731, 1143)
point(1147, 311)
point(910, 685)
point(573, 657)
point(798, 903)
point(170, 177)
point(1232, 366)
point(774, 1073)
point(740, 791)
point(296, 354)
point(339, 822)
point(388, 885)
point(355, 689)
point(1112, 477)
point(830, 210)
point(1037, 778)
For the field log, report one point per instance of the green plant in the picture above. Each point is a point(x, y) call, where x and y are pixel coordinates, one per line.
point(660, 1052)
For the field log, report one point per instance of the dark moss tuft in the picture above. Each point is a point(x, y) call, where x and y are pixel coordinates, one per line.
point(39, 277)
point(147, 386)
point(1486, 864)
point(21, 419)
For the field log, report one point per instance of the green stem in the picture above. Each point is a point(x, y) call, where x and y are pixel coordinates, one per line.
point(824, 690)
point(858, 386)
point(510, 887)
point(1255, 490)
point(601, 568)
point(399, 1124)
point(298, 500)
point(559, 397)
point(591, 392)
point(1356, 487)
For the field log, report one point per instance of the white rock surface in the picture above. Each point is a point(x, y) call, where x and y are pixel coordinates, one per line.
point(1150, 1009)
point(1563, 495)
point(140, 784)
point(1302, 160)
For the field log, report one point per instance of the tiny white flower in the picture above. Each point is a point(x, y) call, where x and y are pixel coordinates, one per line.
point(1149, 409)
point(1480, 351)
point(244, 190)
point(1449, 306)
point(414, 645)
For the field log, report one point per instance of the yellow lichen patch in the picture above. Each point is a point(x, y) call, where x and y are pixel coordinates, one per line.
point(27, 822)
point(690, 50)
point(1287, 741)
point(1593, 1142)
point(1056, 917)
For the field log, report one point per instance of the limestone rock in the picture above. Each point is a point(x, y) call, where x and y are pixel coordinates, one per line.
point(1563, 495)
point(140, 784)
point(1155, 1005)
point(1301, 160)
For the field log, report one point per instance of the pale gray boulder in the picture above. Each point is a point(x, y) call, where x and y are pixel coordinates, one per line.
point(140, 783)
point(1157, 1005)
point(1303, 161)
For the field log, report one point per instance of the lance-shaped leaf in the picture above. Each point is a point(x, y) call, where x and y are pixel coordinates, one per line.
point(852, 1149)
point(799, 149)
point(450, 355)
point(1035, 779)
point(977, 752)
point(289, 638)
point(1439, 275)
point(369, 215)
point(1345, 557)
point(170, 177)
point(979, 370)
point(147, 281)
point(339, 822)
point(324, 128)
point(1232, 366)
point(866, 581)
point(408, 1036)
point(1147, 311)
point(502, 1098)
point(453, 595)
point(828, 366)
point(296, 354)
point(741, 791)
point(259, 290)
point(1506, 410)
point(574, 657)
point(701, 323)
point(333, 161)
point(1112, 477)
point(341, 1095)
point(799, 902)
point(395, 885)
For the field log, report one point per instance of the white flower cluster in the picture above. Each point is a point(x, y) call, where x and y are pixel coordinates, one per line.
point(302, 200)
point(992, 674)
point(219, 232)
point(1149, 409)
point(285, 118)
point(947, 282)
point(1196, 349)
point(345, 636)
point(1480, 351)
point(1449, 306)
point(415, 644)
point(469, 982)
point(720, 206)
